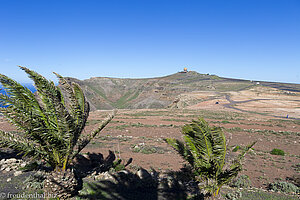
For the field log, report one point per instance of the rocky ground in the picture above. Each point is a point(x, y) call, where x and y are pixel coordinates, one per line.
point(139, 134)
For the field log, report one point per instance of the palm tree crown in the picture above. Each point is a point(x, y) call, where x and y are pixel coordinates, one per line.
point(50, 123)
point(205, 150)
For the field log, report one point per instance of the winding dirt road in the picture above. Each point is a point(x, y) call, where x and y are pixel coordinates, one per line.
point(232, 103)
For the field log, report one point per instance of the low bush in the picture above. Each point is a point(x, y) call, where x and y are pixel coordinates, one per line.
point(233, 195)
point(242, 181)
point(277, 152)
point(284, 187)
point(142, 148)
point(225, 122)
point(119, 164)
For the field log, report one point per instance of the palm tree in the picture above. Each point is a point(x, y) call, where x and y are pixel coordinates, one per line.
point(50, 124)
point(205, 151)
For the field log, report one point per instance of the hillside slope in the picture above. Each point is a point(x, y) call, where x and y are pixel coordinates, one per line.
point(108, 93)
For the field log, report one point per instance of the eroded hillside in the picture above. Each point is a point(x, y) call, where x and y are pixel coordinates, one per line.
point(109, 93)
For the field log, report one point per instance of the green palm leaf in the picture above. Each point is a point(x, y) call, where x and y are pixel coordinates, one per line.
point(205, 150)
point(51, 127)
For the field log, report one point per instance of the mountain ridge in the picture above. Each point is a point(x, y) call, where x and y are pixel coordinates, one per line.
point(160, 92)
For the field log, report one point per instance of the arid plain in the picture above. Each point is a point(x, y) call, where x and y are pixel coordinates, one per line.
point(257, 114)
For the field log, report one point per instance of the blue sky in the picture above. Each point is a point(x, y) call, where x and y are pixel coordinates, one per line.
point(249, 39)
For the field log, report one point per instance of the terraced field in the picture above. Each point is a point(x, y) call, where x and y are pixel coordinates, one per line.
point(139, 134)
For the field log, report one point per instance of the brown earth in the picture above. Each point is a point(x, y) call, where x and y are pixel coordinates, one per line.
point(147, 128)
point(177, 90)
point(139, 134)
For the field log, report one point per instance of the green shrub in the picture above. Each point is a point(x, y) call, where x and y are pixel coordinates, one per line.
point(225, 122)
point(147, 149)
point(119, 165)
point(233, 195)
point(236, 148)
point(258, 194)
point(242, 181)
point(277, 152)
point(284, 187)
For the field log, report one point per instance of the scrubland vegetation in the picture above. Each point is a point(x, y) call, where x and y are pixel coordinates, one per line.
point(61, 151)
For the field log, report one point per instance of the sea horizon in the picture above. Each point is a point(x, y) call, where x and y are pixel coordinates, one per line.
point(30, 86)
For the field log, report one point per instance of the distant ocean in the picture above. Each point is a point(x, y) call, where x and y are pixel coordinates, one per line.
point(28, 85)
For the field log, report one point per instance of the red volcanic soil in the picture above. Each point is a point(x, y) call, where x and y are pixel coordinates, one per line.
point(139, 134)
point(144, 130)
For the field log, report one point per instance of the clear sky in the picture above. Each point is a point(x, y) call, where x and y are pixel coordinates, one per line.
point(249, 39)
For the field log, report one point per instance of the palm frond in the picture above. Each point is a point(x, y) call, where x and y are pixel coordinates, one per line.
point(84, 140)
point(182, 149)
point(79, 109)
point(228, 174)
point(74, 107)
point(20, 143)
point(51, 102)
point(20, 97)
point(245, 150)
point(84, 107)
point(205, 150)
point(52, 123)
point(23, 109)
point(198, 139)
point(218, 146)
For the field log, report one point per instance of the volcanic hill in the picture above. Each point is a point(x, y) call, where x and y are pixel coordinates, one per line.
point(161, 92)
